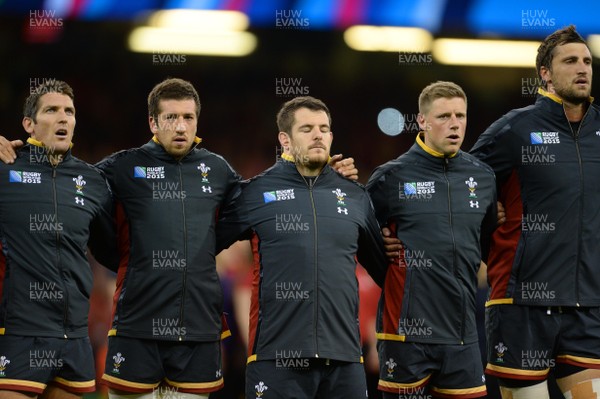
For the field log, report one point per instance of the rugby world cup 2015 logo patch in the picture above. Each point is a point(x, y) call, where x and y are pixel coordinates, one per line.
point(544, 138)
point(419, 188)
point(279, 195)
point(149, 172)
point(416, 190)
point(21, 176)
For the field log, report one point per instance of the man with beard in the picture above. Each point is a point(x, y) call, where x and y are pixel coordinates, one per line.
point(543, 311)
point(306, 224)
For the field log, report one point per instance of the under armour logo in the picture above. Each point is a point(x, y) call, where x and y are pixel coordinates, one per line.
point(343, 210)
point(207, 189)
point(79, 200)
point(219, 373)
point(474, 204)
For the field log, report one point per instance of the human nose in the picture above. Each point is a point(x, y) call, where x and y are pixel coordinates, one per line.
point(62, 116)
point(180, 125)
point(454, 122)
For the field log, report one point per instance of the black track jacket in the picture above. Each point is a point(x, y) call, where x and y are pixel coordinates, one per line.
point(439, 207)
point(305, 237)
point(47, 215)
point(166, 210)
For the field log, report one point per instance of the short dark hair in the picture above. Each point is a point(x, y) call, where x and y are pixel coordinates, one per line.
point(285, 116)
point(172, 89)
point(30, 108)
point(546, 50)
point(439, 89)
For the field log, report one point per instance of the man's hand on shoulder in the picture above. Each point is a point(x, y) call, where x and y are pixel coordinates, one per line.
point(8, 149)
point(345, 166)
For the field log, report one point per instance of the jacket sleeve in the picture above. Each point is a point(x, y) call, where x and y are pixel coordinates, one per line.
point(371, 252)
point(233, 182)
point(103, 236)
point(488, 225)
point(498, 148)
point(376, 190)
point(233, 223)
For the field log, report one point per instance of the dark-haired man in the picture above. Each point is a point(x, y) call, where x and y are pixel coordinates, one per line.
point(167, 313)
point(306, 224)
point(168, 303)
point(50, 203)
point(544, 307)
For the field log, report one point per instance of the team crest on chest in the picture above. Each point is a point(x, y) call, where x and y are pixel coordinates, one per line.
point(340, 201)
point(204, 172)
point(472, 185)
point(79, 183)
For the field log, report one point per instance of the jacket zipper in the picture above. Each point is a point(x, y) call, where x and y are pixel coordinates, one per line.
point(58, 262)
point(184, 254)
point(462, 296)
point(316, 263)
point(579, 227)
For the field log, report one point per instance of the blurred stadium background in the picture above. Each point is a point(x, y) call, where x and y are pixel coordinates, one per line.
point(247, 57)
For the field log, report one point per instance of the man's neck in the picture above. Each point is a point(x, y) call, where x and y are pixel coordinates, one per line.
point(55, 159)
point(574, 112)
point(309, 171)
point(305, 170)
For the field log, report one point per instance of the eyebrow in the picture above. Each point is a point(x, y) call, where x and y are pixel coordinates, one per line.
point(575, 57)
point(311, 125)
point(167, 114)
point(55, 107)
point(460, 113)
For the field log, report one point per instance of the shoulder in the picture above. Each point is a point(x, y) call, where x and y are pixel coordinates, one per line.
point(88, 172)
point(119, 156)
point(473, 162)
point(345, 182)
point(279, 170)
point(205, 155)
point(391, 167)
point(513, 118)
point(84, 166)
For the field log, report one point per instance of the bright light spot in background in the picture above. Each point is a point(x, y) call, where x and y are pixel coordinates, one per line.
point(495, 53)
point(233, 44)
point(195, 32)
point(390, 121)
point(387, 38)
point(201, 20)
point(594, 45)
